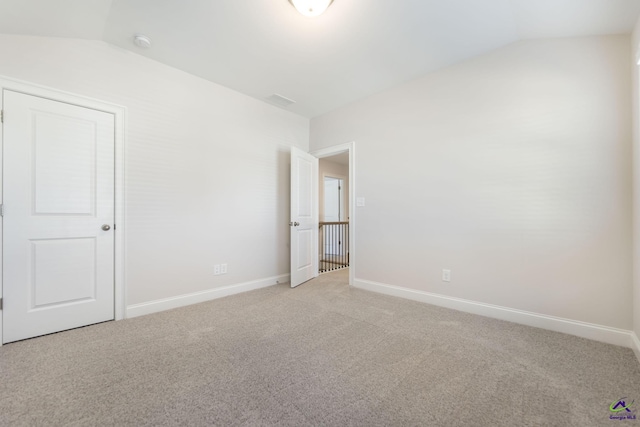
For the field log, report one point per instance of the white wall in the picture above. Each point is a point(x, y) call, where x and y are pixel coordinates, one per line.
point(635, 56)
point(512, 169)
point(207, 176)
point(330, 168)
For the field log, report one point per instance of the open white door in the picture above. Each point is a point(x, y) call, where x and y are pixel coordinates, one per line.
point(304, 217)
point(58, 258)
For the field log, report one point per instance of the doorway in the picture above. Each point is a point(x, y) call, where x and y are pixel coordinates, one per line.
point(336, 208)
point(333, 230)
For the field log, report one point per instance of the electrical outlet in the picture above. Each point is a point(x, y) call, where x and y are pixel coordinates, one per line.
point(216, 269)
point(223, 269)
point(446, 275)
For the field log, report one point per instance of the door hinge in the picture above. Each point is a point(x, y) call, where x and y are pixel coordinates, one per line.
point(1, 116)
point(0, 303)
point(1, 210)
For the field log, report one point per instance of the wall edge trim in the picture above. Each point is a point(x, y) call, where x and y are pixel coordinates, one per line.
point(177, 301)
point(595, 332)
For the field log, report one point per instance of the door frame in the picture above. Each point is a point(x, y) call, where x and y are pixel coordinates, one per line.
point(119, 113)
point(349, 147)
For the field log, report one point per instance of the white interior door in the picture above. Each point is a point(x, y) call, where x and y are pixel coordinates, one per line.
point(332, 213)
point(58, 196)
point(332, 199)
point(304, 217)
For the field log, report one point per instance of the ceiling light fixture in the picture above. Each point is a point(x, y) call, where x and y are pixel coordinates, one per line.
point(311, 8)
point(142, 41)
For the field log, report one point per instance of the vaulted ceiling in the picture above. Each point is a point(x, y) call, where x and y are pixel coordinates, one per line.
point(355, 49)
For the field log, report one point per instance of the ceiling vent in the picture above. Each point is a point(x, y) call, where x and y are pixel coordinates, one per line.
point(279, 100)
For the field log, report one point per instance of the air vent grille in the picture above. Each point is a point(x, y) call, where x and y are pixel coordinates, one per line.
point(279, 100)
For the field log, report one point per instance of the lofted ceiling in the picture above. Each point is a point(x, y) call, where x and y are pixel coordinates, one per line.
point(357, 48)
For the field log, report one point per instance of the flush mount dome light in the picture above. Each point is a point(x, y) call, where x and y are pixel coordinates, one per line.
point(311, 8)
point(142, 41)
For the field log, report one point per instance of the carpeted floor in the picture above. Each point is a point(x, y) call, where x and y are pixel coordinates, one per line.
point(321, 354)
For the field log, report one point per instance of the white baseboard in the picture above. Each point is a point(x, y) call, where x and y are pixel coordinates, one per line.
point(591, 331)
point(197, 297)
point(635, 345)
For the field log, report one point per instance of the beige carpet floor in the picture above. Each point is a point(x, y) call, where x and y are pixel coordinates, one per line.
point(322, 354)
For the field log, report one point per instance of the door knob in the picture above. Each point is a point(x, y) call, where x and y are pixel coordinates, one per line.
point(106, 227)
point(294, 224)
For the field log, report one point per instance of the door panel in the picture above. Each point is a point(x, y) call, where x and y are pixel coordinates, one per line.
point(304, 244)
point(58, 193)
point(67, 261)
point(304, 216)
point(63, 184)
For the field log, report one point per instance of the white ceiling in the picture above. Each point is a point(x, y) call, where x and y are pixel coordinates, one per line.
point(357, 48)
